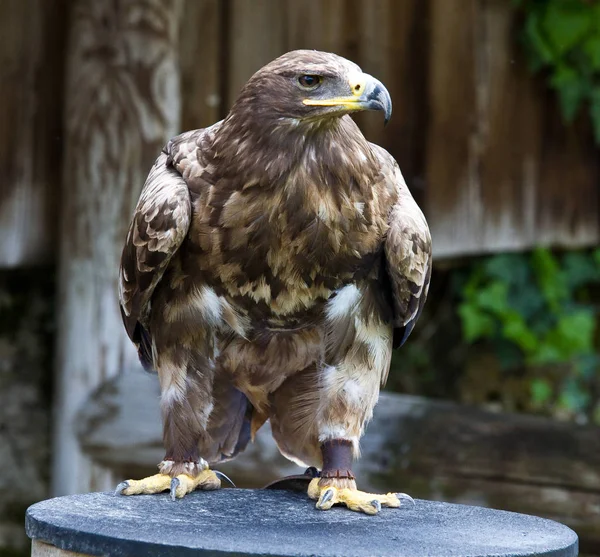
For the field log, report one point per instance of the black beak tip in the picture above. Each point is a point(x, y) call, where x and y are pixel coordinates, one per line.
point(380, 100)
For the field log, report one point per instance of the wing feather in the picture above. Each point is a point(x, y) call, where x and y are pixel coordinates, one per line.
point(407, 254)
point(160, 222)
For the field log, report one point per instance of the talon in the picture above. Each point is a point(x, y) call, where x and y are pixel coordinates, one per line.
point(174, 485)
point(224, 476)
point(326, 497)
point(376, 505)
point(121, 488)
point(404, 498)
point(312, 472)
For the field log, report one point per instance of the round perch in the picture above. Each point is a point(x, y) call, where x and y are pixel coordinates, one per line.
point(257, 522)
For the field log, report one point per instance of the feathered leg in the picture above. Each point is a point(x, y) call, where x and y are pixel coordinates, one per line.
point(358, 353)
point(186, 403)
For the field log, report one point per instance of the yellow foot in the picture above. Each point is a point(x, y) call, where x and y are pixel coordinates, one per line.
point(369, 503)
point(178, 486)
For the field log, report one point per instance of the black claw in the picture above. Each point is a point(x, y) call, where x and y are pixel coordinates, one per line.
point(376, 504)
point(291, 483)
point(121, 487)
point(404, 499)
point(224, 476)
point(312, 472)
point(174, 485)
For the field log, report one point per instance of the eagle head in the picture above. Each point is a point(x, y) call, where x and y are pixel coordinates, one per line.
point(312, 86)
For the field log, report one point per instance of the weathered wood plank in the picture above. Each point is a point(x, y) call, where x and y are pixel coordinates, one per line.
point(326, 25)
point(569, 174)
point(31, 75)
point(256, 36)
point(509, 139)
point(430, 449)
point(452, 188)
point(200, 60)
point(123, 103)
point(392, 47)
point(502, 171)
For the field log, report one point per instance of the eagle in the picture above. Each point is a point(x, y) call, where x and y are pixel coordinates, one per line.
point(273, 261)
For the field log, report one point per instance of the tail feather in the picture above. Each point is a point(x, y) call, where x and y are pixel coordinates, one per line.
point(229, 426)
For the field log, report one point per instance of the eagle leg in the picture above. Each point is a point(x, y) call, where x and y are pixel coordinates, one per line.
point(185, 399)
point(337, 485)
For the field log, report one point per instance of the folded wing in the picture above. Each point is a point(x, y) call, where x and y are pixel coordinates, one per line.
point(160, 223)
point(407, 252)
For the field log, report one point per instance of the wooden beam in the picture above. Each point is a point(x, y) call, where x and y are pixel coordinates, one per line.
point(122, 104)
point(256, 36)
point(31, 77)
point(200, 60)
point(392, 46)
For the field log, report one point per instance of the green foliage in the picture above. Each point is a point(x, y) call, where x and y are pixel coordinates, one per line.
point(562, 38)
point(535, 310)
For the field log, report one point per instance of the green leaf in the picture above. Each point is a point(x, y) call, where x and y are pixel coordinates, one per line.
point(549, 277)
point(579, 269)
point(577, 331)
point(474, 283)
point(541, 391)
point(546, 353)
point(493, 297)
point(595, 112)
point(571, 89)
point(566, 24)
point(515, 329)
point(528, 300)
point(508, 267)
point(475, 323)
point(596, 257)
point(540, 52)
point(591, 47)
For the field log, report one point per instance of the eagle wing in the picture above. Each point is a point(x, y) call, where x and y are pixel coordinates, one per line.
point(160, 223)
point(407, 253)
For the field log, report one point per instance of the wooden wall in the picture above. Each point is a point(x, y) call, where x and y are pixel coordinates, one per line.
point(31, 74)
point(480, 142)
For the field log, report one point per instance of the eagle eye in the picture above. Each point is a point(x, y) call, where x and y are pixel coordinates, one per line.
point(309, 81)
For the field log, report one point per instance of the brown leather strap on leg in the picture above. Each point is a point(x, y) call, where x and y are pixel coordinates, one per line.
point(337, 459)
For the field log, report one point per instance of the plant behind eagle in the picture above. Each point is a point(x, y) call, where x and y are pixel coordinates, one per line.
point(536, 310)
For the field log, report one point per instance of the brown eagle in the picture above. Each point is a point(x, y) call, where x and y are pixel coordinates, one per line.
point(273, 261)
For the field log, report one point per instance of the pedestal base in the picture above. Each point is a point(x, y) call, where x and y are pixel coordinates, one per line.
point(237, 522)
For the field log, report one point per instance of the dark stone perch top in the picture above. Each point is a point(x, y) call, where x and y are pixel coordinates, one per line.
point(251, 522)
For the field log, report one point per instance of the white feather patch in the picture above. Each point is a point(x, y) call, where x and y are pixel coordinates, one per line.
point(377, 337)
point(343, 303)
point(171, 395)
point(327, 432)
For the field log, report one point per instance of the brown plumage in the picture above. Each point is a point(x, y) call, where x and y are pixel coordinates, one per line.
point(271, 262)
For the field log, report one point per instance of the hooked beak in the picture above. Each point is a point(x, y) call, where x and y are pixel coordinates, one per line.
point(368, 93)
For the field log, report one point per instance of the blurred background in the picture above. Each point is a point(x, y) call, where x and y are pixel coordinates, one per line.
point(495, 399)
